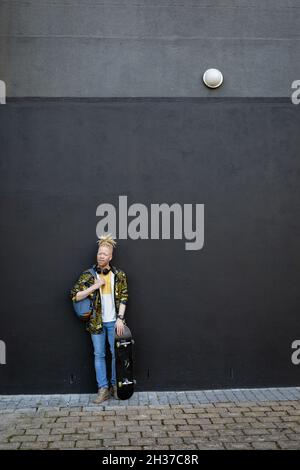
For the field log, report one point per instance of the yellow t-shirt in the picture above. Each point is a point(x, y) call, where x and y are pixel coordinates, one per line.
point(107, 297)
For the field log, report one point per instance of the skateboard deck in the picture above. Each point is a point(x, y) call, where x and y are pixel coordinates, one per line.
point(124, 364)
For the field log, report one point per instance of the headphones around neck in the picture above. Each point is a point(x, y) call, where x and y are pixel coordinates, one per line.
point(103, 271)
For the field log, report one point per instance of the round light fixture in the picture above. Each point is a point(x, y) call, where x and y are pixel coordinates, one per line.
point(213, 78)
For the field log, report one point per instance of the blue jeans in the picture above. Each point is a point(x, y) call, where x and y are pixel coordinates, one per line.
point(99, 343)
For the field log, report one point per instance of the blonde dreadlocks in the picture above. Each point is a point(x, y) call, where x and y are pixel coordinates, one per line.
point(107, 240)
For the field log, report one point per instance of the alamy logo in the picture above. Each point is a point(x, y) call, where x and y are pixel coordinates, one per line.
point(2, 92)
point(146, 222)
point(296, 354)
point(296, 94)
point(2, 352)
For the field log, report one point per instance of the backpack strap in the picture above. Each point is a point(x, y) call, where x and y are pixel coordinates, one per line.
point(94, 274)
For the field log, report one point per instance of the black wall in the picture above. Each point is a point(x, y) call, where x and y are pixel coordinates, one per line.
point(223, 316)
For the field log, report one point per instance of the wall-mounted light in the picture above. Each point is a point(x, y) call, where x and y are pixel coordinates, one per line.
point(213, 78)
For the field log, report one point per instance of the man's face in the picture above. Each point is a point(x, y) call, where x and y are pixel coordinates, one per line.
point(104, 255)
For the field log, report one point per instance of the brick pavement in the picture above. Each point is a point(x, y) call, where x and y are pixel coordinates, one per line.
point(73, 422)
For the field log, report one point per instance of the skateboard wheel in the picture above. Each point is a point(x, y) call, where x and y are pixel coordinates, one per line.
point(118, 344)
point(132, 341)
point(120, 384)
point(134, 381)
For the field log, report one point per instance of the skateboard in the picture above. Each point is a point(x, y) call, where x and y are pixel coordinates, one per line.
point(124, 364)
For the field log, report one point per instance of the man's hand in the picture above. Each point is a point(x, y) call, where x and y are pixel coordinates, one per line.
point(119, 327)
point(84, 293)
point(98, 283)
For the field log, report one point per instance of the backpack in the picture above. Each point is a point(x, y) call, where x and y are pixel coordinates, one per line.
point(84, 308)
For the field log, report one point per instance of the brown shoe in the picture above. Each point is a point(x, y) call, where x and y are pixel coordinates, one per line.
point(113, 392)
point(103, 395)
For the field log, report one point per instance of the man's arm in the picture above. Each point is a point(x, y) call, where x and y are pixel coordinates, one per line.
point(119, 322)
point(78, 292)
point(122, 309)
point(122, 306)
point(124, 290)
point(85, 293)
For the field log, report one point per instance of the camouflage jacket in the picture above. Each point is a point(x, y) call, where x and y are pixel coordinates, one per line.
point(85, 280)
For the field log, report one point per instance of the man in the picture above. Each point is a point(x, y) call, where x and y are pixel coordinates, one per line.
point(110, 295)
